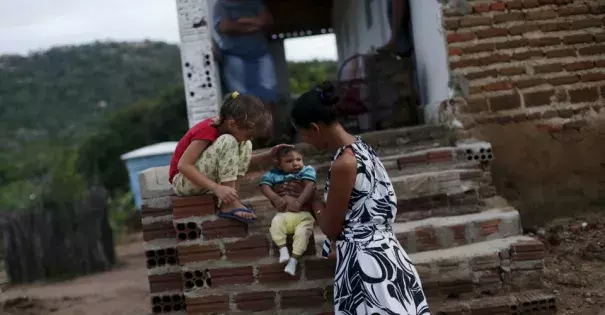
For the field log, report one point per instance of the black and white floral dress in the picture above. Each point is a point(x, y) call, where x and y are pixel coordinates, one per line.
point(374, 275)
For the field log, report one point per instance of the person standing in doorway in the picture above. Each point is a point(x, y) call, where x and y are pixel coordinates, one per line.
point(246, 64)
point(398, 13)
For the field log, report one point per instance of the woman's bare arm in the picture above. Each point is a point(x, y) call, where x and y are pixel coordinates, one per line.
point(344, 173)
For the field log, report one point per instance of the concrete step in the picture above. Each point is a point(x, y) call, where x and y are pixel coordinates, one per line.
point(412, 186)
point(465, 272)
point(446, 232)
point(384, 142)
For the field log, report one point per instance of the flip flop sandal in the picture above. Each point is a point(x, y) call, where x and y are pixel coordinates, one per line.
point(231, 215)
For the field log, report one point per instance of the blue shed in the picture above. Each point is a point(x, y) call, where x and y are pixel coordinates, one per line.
point(158, 154)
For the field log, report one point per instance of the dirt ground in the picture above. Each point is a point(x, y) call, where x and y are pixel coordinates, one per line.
point(575, 272)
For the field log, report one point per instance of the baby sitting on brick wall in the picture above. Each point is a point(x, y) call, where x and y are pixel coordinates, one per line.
point(290, 187)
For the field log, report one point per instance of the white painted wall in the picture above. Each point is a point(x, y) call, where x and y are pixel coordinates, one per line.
point(431, 55)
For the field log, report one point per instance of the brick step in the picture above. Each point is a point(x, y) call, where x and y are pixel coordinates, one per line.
point(490, 267)
point(527, 302)
point(402, 161)
point(384, 142)
point(412, 186)
point(446, 232)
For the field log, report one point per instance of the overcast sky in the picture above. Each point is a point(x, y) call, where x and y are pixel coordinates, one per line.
point(32, 25)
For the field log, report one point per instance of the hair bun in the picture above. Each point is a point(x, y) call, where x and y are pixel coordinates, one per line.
point(327, 93)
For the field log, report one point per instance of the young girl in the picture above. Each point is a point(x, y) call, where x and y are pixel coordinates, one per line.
point(214, 152)
point(373, 273)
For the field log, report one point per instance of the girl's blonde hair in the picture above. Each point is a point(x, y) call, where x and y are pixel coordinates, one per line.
point(247, 111)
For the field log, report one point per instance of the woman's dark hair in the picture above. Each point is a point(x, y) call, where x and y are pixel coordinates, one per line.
point(315, 105)
point(248, 111)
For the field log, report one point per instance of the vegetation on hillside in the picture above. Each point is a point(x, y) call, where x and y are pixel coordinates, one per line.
point(69, 113)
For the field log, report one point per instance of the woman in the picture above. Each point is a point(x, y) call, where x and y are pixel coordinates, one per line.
point(373, 274)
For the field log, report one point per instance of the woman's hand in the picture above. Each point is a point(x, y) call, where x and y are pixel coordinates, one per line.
point(225, 194)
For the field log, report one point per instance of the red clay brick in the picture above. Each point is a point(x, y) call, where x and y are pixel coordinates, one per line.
point(251, 248)
point(508, 17)
point(527, 55)
point(597, 8)
point(504, 102)
point(540, 15)
point(580, 65)
point(302, 298)
point(213, 304)
point(586, 23)
point(554, 26)
point(515, 43)
point(165, 282)
point(592, 77)
point(481, 8)
point(592, 50)
point(512, 71)
point(478, 48)
point(221, 228)
point(560, 53)
point(464, 63)
point(563, 79)
point(528, 82)
point(544, 41)
point(498, 6)
point(538, 98)
point(275, 273)
point(426, 239)
point(255, 301)
point(455, 51)
point(547, 2)
point(599, 63)
point(439, 155)
point(459, 234)
point(522, 29)
point(530, 3)
point(236, 275)
point(572, 10)
point(198, 253)
point(514, 5)
point(192, 201)
point(147, 212)
point(158, 230)
point(320, 268)
point(470, 21)
point(600, 37)
point(492, 32)
point(498, 86)
point(548, 68)
point(193, 211)
point(493, 59)
point(451, 24)
point(482, 74)
point(412, 159)
point(577, 39)
point(476, 104)
point(581, 95)
point(460, 37)
point(521, 256)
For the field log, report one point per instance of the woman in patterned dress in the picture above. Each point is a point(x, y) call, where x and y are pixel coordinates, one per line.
point(374, 275)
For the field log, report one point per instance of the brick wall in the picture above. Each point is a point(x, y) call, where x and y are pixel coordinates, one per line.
point(528, 59)
point(536, 70)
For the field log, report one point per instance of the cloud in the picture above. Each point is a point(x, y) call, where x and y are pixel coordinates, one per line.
point(32, 25)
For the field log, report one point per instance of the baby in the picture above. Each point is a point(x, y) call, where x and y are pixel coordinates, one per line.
point(290, 187)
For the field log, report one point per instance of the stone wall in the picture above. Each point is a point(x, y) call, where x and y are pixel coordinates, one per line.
point(536, 71)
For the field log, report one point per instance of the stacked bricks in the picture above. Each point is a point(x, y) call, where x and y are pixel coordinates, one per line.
point(529, 59)
point(531, 302)
point(160, 245)
point(490, 272)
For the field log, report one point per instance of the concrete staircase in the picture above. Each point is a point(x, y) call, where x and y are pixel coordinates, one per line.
point(465, 241)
